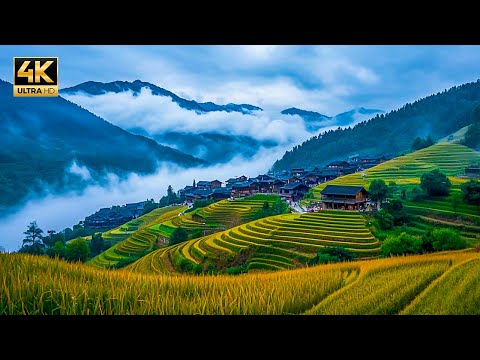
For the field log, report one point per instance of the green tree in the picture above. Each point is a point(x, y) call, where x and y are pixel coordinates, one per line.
point(401, 244)
point(57, 250)
point(96, 244)
point(456, 200)
point(266, 206)
point(378, 191)
point(471, 192)
point(33, 243)
point(51, 239)
point(472, 136)
point(385, 219)
point(77, 250)
point(332, 254)
point(33, 234)
point(179, 235)
point(435, 183)
point(447, 239)
point(149, 206)
point(416, 193)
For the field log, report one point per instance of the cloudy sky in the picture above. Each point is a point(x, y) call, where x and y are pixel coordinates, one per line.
point(328, 79)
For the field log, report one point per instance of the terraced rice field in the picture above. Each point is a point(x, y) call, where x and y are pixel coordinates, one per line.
point(220, 215)
point(441, 283)
point(136, 242)
point(124, 231)
point(451, 159)
point(273, 243)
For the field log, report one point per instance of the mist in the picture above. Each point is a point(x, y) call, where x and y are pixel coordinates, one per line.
point(158, 114)
point(56, 212)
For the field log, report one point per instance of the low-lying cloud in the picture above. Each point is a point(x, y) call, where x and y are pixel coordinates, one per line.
point(158, 114)
point(56, 212)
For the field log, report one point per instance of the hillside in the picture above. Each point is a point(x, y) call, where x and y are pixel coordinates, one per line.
point(99, 88)
point(442, 283)
point(405, 171)
point(42, 137)
point(133, 240)
point(436, 115)
point(272, 243)
point(314, 120)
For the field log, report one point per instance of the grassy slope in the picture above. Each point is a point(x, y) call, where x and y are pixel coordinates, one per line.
point(134, 238)
point(431, 284)
point(272, 243)
point(406, 170)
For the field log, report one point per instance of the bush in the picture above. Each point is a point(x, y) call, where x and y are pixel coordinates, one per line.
point(77, 250)
point(179, 235)
point(385, 219)
point(332, 254)
point(435, 183)
point(416, 193)
point(447, 239)
point(402, 244)
point(235, 270)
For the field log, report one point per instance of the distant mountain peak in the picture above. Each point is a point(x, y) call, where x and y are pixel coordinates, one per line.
point(99, 88)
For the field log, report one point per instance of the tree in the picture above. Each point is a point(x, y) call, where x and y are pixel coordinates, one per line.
point(77, 250)
point(332, 254)
point(385, 219)
point(57, 250)
point(401, 244)
point(447, 239)
point(456, 199)
point(472, 136)
point(420, 143)
point(149, 206)
point(435, 183)
point(266, 206)
point(471, 192)
point(179, 235)
point(170, 198)
point(51, 239)
point(416, 193)
point(378, 191)
point(96, 244)
point(33, 234)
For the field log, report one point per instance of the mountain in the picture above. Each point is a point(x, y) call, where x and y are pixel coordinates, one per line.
point(314, 120)
point(213, 147)
point(99, 88)
point(436, 115)
point(42, 137)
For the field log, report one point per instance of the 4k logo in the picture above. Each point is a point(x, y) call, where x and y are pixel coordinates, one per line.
point(35, 76)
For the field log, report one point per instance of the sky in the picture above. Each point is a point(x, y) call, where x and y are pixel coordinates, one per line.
point(328, 79)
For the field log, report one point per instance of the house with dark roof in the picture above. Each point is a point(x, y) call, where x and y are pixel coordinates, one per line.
point(473, 171)
point(215, 183)
point(244, 188)
point(344, 197)
point(298, 171)
point(293, 191)
point(220, 193)
point(203, 184)
point(337, 164)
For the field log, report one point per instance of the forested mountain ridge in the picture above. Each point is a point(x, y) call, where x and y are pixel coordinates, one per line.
point(42, 137)
point(436, 115)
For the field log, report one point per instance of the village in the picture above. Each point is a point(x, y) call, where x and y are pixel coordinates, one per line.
point(290, 185)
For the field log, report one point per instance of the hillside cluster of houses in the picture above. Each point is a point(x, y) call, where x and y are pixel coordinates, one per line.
point(114, 216)
point(290, 185)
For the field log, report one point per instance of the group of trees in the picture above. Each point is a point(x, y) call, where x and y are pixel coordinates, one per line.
point(420, 143)
point(472, 136)
point(55, 245)
point(278, 207)
point(440, 114)
point(433, 240)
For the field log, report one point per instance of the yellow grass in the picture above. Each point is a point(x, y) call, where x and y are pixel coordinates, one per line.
point(39, 285)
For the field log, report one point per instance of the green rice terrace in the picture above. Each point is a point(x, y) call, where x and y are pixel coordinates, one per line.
point(218, 216)
point(449, 158)
point(156, 227)
point(278, 242)
point(135, 237)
